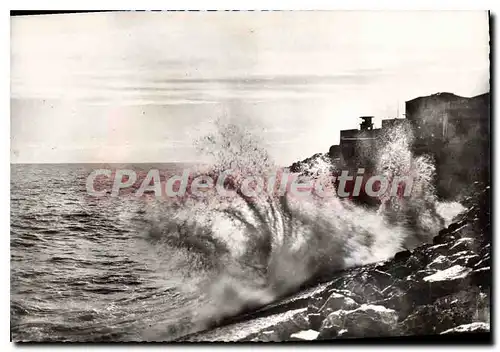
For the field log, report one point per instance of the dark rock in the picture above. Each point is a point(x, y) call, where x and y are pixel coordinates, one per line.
point(400, 271)
point(448, 311)
point(401, 256)
point(400, 303)
point(455, 226)
point(444, 236)
point(381, 278)
point(371, 292)
point(485, 250)
point(483, 263)
point(451, 233)
point(439, 284)
point(414, 263)
point(315, 320)
point(313, 307)
point(481, 277)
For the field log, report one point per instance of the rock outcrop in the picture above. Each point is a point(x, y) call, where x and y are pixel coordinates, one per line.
point(309, 165)
point(438, 288)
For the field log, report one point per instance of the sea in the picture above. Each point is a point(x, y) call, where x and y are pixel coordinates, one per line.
point(81, 267)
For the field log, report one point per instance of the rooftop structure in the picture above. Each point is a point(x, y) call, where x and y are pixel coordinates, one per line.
point(367, 123)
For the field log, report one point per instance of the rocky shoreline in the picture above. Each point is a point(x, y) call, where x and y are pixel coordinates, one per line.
point(440, 288)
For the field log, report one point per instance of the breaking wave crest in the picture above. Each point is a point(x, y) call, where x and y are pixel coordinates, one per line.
point(246, 253)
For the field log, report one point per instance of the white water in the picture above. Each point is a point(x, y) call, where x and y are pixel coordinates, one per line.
point(249, 252)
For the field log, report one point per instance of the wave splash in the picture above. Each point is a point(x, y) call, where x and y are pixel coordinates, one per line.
point(245, 253)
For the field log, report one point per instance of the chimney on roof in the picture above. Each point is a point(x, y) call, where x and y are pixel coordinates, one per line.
point(367, 123)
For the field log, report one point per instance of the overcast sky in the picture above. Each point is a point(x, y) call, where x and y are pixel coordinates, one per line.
point(139, 87)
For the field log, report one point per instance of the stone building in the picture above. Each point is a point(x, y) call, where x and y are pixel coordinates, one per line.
point(358, 147)
point(455, 131)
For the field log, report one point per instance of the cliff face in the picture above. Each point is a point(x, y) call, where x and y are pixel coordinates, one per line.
point(438, 288)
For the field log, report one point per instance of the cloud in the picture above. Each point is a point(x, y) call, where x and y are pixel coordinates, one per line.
point(317, 70)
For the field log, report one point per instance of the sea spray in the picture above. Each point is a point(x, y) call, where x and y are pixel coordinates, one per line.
point(251, 251)
point(417, 211)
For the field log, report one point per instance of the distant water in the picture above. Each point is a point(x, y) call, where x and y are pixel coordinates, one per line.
point(81, 268)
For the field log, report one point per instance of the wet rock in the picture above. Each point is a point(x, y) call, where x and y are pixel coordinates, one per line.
point(350, 304)
point(399, 302)
point(444, 236)
point(402, 256)
point(267, 336)
point(356, 298)
point(459, 308)
point(334, 302)
point(268, 328)
point(382, 279)
point(462, 244)
point(451, 233)
point(281, 330)
point(484, 263)
point(441, 283)
point(440, 263)
point(362, 288)
point(481, 277)
point(455, 273)
point(472, 327)
point(400, 271)
point(315, 320)
point(455, 226)
point(485, 250)
point(304, 335)
point(337, 301)
point(435, 250)
point(416, 278)
point(365, 321)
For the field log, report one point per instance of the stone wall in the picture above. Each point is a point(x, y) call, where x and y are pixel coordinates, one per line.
point(455, 131)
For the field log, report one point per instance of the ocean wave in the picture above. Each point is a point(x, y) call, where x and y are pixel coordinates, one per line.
point(247, 253)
